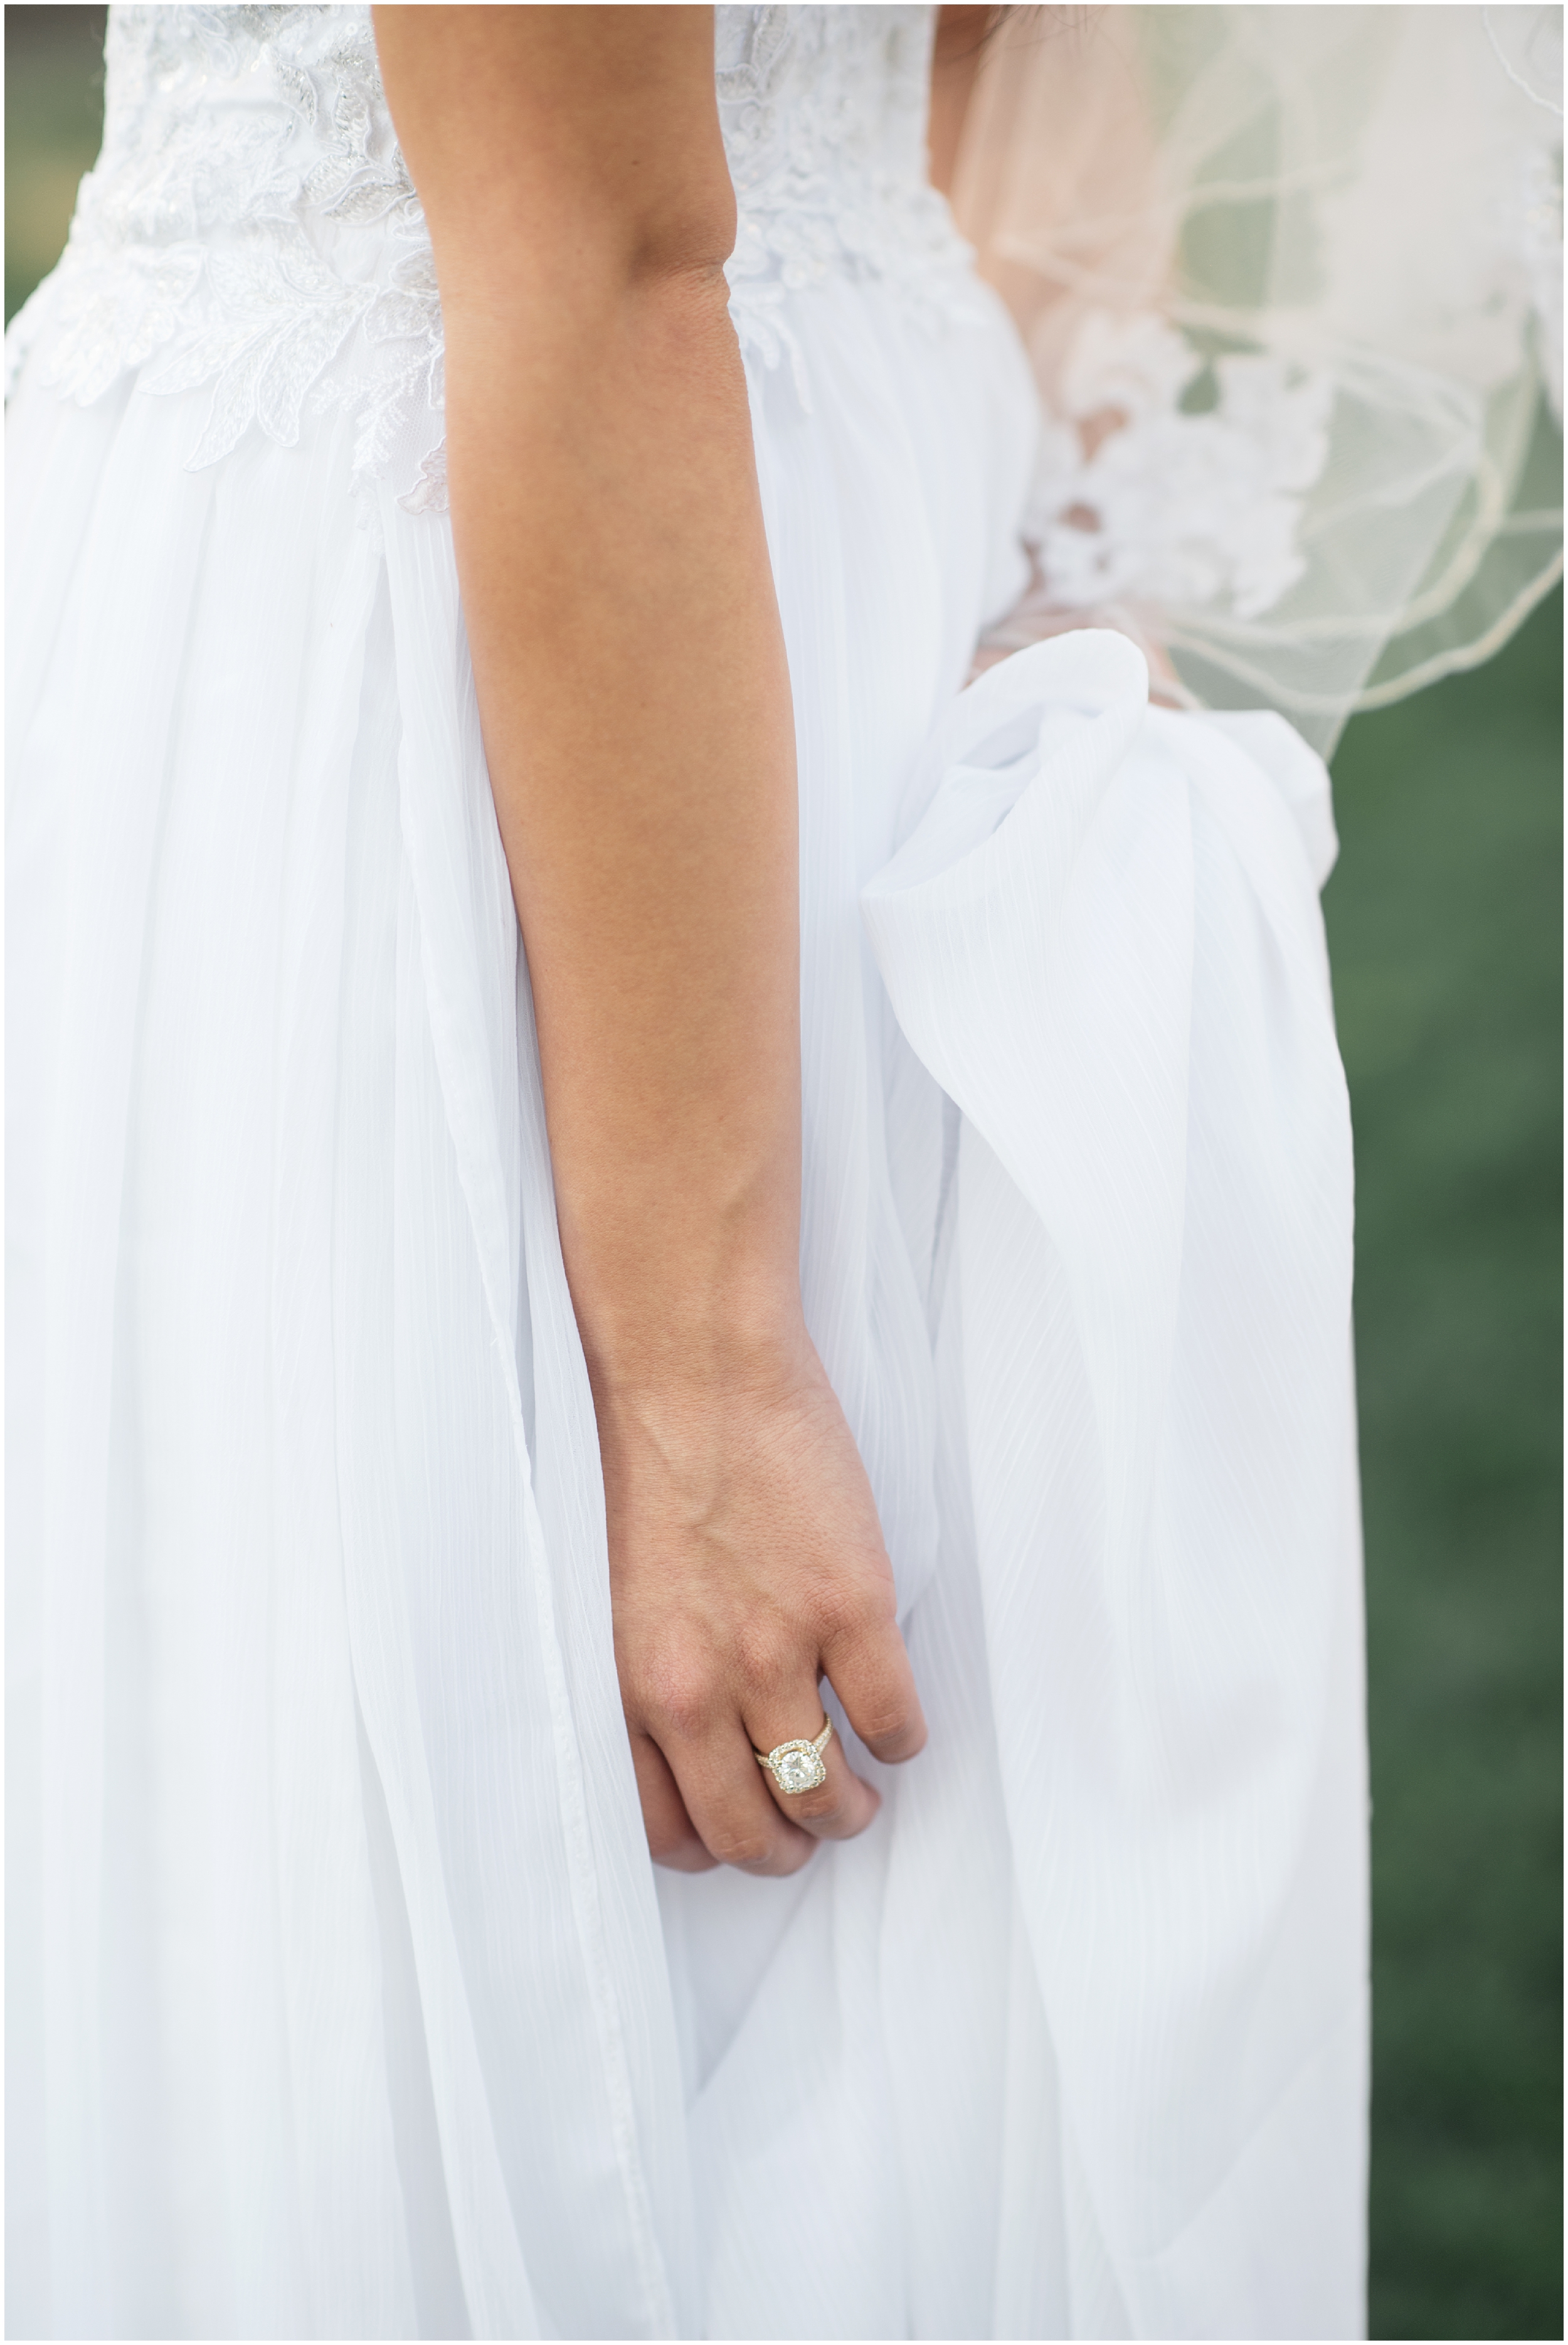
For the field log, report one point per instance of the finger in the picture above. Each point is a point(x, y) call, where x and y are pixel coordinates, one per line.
point(838, 1807)
point(672, 1838)
point(720, 1785)
point(868, 1668)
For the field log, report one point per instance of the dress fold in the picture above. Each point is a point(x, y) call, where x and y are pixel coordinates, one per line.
point(1102, 939)
point(345, 1999)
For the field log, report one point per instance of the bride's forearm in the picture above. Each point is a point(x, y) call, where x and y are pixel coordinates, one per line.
point(636, 716)
point(635, 701)
point(633, 690)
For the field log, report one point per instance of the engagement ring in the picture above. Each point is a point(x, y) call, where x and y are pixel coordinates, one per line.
point(798, 1766)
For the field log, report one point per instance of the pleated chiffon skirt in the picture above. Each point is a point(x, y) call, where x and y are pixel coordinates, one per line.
point(344, 2001)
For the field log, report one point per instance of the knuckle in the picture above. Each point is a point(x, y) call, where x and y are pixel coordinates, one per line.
point(894, 1732)
point(690, 1857)
point(741, 1847)
point(787, 1854)
point(677, 1695)
point(824, 1807)
point(761, 1659)
point(847, 1612)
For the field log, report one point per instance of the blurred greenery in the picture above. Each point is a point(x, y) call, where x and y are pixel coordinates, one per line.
point(1445, 923)
point(54, 117)
point(1444, 926)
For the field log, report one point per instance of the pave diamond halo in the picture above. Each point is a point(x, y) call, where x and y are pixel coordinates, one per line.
point(798, 1766)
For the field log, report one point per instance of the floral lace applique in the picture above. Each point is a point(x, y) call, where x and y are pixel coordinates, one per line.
point(824, 117)
point(250, 212)
point(250, 224)
point(1137, 501)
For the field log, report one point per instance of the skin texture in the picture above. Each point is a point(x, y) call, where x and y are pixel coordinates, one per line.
point(962, 35)
point(635, 703)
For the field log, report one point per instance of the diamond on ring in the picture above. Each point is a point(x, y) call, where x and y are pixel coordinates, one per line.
point(798, 1766)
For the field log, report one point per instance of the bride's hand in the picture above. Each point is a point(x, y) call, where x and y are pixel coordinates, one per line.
point(635, 693)
point(745, 1564)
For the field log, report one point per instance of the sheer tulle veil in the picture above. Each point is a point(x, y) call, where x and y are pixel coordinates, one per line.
point(344, 2000)
point(1290, 279)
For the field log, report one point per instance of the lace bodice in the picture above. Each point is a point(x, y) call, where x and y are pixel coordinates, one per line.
point(250, 224)
point(823, 116)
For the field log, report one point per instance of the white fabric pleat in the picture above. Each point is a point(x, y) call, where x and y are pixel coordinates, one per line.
point(344, 1999)
point(1106, 947)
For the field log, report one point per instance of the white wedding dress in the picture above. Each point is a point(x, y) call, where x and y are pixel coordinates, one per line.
point(344, 2001)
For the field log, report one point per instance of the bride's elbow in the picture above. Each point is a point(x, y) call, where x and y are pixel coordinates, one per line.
point(573, 262)
point(691, 239)
point(560, 153)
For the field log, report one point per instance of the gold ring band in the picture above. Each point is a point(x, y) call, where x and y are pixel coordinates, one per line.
point(798, 1766)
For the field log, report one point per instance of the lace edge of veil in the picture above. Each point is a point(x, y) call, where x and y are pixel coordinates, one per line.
point(1291, 281)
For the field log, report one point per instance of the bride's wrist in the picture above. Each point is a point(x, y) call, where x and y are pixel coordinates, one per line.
point(684, 1280)
point(693, 1337)
point(688, 1359)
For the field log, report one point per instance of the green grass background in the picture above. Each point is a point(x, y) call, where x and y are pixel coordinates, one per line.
point(1445, 929)
point(1444, 923)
